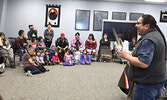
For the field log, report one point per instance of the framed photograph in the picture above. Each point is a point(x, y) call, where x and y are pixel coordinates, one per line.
point(163, 16)
point(82, 20)
point(135, 16)
point(118, 15)
point(98, 19)
point(52, 15)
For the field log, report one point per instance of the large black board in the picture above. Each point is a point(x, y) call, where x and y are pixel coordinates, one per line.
point(123, 28)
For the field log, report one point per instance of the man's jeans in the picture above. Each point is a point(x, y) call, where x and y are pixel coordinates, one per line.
point(21, 51)
point(147, 92)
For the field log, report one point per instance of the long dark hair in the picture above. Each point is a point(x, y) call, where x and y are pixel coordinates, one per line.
point(39, 38)
point(149, 19)
point(92, 36)
point(103, 36)
point(1, 33)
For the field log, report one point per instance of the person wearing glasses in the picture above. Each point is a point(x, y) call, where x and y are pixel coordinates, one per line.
point(6, 50)
point(147, 65)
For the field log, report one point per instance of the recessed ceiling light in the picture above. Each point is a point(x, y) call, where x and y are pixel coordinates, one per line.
point(155, 0)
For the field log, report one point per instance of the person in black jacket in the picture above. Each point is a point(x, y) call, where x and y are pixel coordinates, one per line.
point(147, 65)
point(62, 42)
point(32, 33)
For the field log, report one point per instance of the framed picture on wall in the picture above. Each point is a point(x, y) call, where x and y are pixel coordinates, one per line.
point(118, 15)
point(52, 15)
point(98, 18)
point(163, 16)
point(135, 16)
point(82, 20)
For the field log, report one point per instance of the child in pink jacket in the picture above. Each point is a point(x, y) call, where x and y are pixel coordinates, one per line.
point(68, 59)
point(55, 58)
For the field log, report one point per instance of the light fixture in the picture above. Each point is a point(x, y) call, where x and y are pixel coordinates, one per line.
point(156, 0)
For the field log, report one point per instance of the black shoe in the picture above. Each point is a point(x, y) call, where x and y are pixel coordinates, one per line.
point(1, 72)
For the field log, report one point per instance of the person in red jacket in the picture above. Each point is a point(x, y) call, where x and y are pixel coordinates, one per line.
point(21, 44)
point(90, 45)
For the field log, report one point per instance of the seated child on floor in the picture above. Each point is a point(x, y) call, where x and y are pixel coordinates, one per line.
point(39, 58)
point(68, 59)
point(52, 51)
point(76, 55)
point(43, 53)
point(55, 58)
point(85, 59)
point(47, 58)
point(61, 55)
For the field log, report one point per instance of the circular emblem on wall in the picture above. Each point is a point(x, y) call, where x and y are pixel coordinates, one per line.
point(52, 14)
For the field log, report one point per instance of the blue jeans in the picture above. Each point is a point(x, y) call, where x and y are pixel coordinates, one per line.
point(33, 69)
point(21, 52)
point(147, 92)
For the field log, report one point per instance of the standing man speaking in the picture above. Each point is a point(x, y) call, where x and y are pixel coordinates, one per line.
point(147, 63)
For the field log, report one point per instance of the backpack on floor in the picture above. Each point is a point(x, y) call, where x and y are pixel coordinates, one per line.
point(40, 66)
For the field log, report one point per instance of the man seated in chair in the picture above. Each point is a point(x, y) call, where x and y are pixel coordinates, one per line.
point(21, 45)
point(6, 50)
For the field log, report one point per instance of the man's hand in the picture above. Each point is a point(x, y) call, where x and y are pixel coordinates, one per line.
point(25, 44)
point(123, 54)
point(7, 49)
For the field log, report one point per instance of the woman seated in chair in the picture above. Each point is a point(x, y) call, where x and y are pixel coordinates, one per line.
point(90, 45)
point(104, 52)
point(6, 50)
point(77, 42)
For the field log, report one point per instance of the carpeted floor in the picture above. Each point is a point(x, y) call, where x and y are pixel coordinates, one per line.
point(80, 82)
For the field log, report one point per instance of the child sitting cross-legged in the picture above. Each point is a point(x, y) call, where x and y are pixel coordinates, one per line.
point(68, 59)
point(52, 51)
point(39, 58)
point(85, 59)
point(47, 58)
point(55, 58)
point(61, 55)
point(76, 55)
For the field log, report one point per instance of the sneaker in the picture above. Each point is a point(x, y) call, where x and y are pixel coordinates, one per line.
point(47, 69)
point(29, 73)
point(21, 63)
point(2, 65)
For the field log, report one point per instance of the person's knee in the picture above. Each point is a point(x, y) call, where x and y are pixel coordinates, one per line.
point(21, 51)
